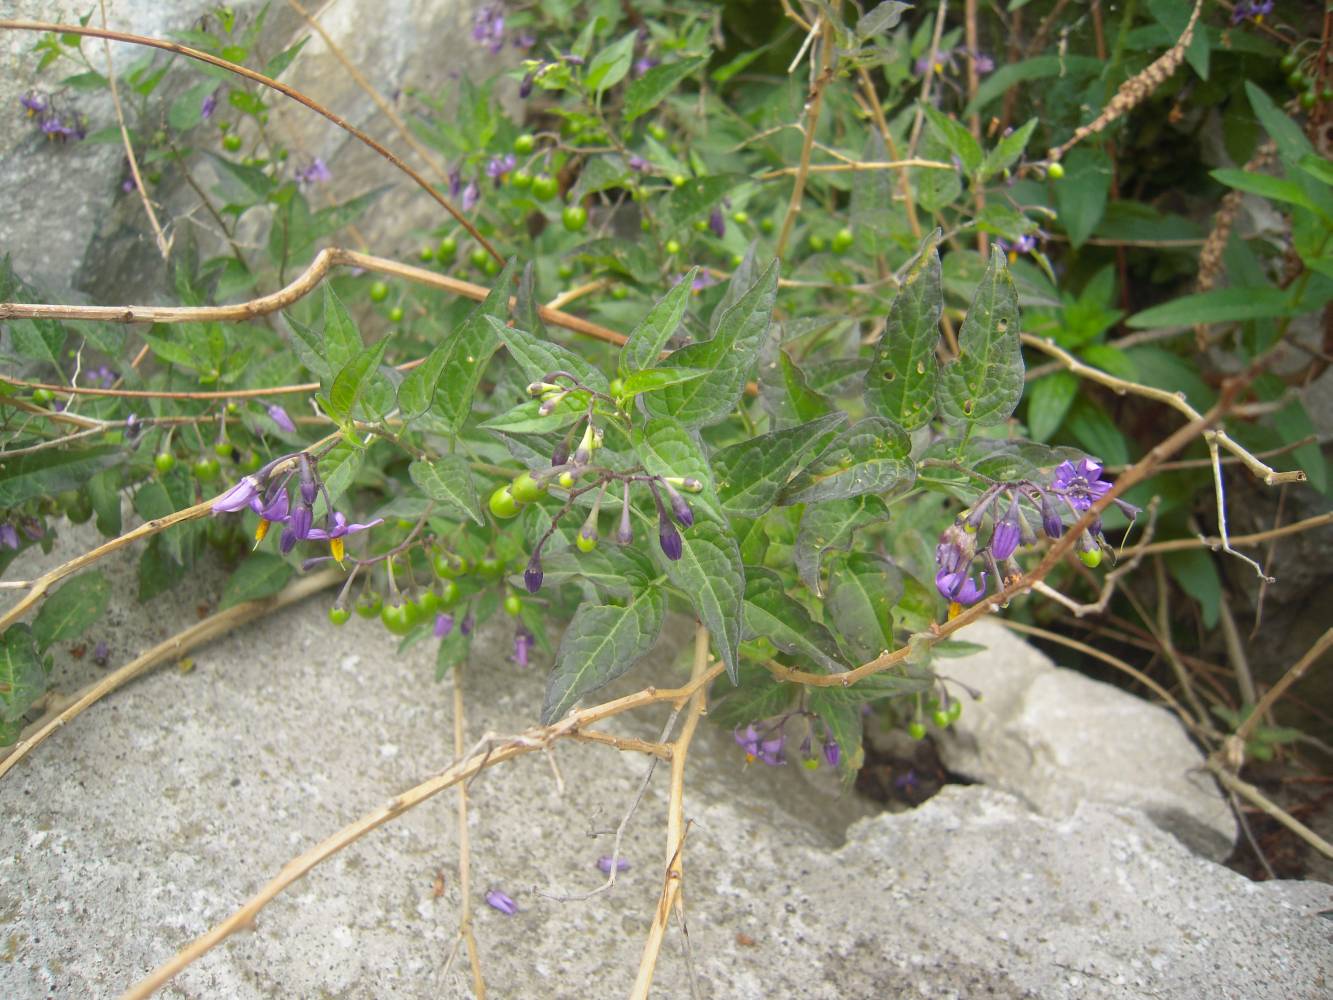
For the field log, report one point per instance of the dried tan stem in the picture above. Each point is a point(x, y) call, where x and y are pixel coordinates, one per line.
point(1248, 791)
point(464, 845)
point(531, 740)
point(192, 637)
point(675, 837)
point(1295, 673)
point(854, 166)
point(813, 107)
point(163, 244)
point(1257, 538)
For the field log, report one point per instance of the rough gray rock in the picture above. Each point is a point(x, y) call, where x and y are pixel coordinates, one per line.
point(161, 810)
point(1056, 738)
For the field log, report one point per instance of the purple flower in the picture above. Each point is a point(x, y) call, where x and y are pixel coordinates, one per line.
point(209, 105)
point(279, 416)
point(957, 546)
point(605, 861)
point(128, 185)
point(455, 183)
point(499, 166)
point(469, 620)
point(643, 64)
point(943, 61)
point(1082, 484)
point(1050, 518)
point(748, 741)
point(1006, 534)
point(240, 496)
point(488, 28)
point(499, 901)
point(101, 653)
point(523, 642)
point(832, 752)
point(679, 506)
point(317, 173)
point(702, 280)
point(102, 377)
point(670, 539)
point(471, 195)
point(444, 624)
point(959, 587)
point(716, 223)
point(984, 64)
point(525, 86)
point(532, 575)
point(524, 40)
point(9, 536)
point(640, 164)
point(770, 750)
point(340, 528)
point(34, 104)
point(276, 508)
point(301, 522)
point(1251, 11)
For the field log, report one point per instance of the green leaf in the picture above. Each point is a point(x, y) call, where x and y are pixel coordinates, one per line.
point(1007, 78)
point(51, 471)
point(957, 138)
point(985, 382)
point(693, 199)
point(1048, 402)
point(770, 614)
point(828, 526)
point(843, 723)
point(1196, 573)
point(1008, 150)
point(338, 470)
point(526, 418)
point(862, 592)
point(539, 358)
point(784, 390)
point(22, 679)
point(649, 338)
point(275, 66)
point(610, 568)
point(884, 17)
point(665, 448)
point(471, 349)
point(158, 571)
point(611, 64)
point(351, 381)
point(728, 357)
point(711, 576)
point(1272, 188)
point(600, 644)
point(1081, 194)
point(71, 609)
point(871, 456)
point(448, 480)
point(653, 379)
point(758, 695)
point(342, 340)
point(647, 91)
point(900, 384)
point(1097, 432)
point(1290, 138)
point(104, 492)
point(262, 574)
point(187, 110)
point(1221, 305)
point(752, 474)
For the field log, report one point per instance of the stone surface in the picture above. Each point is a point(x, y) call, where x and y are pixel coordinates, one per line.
point(1056, 738)
point(161, 810)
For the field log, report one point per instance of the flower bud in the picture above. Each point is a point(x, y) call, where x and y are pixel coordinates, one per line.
point(532, 576)
point(625, 531)
point(679, 507)
point(1050, 519)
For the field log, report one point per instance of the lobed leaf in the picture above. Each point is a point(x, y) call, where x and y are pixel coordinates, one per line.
point(900, 383)
point(985, 382)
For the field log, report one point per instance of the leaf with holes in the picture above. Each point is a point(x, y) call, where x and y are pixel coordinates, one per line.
point(711, 576)
point(600, 644)
point(984, 383)
point(900, 384)
point(771, 614)
point(831, 525)
point(868, 457)
point(752, 474)
point(22, 679)
point(728, 358)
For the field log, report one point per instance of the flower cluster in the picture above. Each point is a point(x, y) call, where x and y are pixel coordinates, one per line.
point(1251, 10)
point(1074, 487)
point(53, 125)
point(266, 493)
point(488, 30)
point(766, 742)
point(948, 60)
point(317, 173)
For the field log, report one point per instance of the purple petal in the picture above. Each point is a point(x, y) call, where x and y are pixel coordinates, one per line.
point(279, 416)
point(499, 901)
point(238, 497)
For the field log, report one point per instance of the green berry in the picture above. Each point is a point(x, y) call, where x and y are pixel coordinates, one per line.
point(513, 604)
point(545, 187)
point(42, 396)
point(502, 503)
point(396, 314)
point(955, 710)
point(916, 730)
point(1297, 80)
point(206, 469)
point(565, 271)
point(1092, 558)
point(379, 291)
point(164, 462)
point(817, 243)
point(223, 448)
point(338, 615)
point(427, 254)
point(491, 267)
point(231, 142)
point(478, 257)
point(526, 489)
point(811, 764)
point(369, 605)
point(619, 293)
point(843, 240)
point(672, 247)
point(490, 567)
point(1309, 99)
point(525, 144)
point(645, 225)
point(736, 260)
point(701, 225)
point(447, 250)
point(521, 179)
point(574, 218)
point(1289, 62)
point(449, 594)
point(678, 180)
point(566, 480)
point(940, 717)
point(1055, 171)
point(740, 218)
point(657, 132)
point(616, 387)
point(397, 618)
point(449, 565)
point(583, 543)
point(766, 225)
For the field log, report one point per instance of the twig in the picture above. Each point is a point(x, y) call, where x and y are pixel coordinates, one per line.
point(1258, 538)
point(928, 78)
point(192, 637)
point(1295, 673)
point(529, 741)
point(827, 46)
point(163, 244)
point(675, 838)
point(1248, 791)
point(854, 166)
point(1112, 578)
point(464, 848)
point(1168, 646)
point(282, 88)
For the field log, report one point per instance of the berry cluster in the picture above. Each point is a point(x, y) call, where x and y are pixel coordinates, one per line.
point(766, 741)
